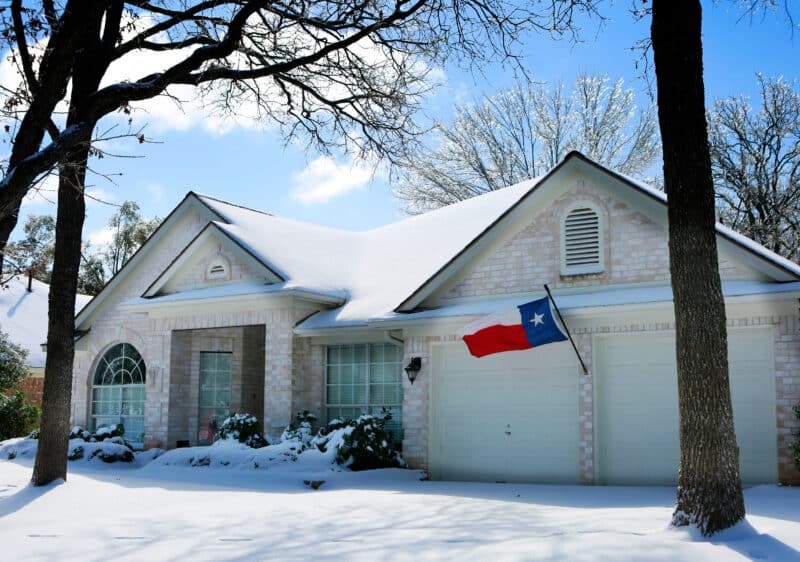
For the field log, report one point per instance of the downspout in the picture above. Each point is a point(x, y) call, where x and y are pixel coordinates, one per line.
point(389, 338)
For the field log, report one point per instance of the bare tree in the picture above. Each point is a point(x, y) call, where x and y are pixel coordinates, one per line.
point(32, 254)
point(755, 160)
point(709, 492)
point(524, 132)
point(339, 73)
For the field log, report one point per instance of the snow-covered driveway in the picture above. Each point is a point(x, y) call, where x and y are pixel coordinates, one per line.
point(176, 513)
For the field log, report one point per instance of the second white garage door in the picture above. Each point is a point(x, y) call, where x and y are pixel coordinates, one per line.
point(636, 409)
point(510, 417)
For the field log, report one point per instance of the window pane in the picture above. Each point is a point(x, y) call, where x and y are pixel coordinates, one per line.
point(360, 394)
point(333, 395)
point(346, 354)
point(376, 353)
point(360, 354)
point(333, 375)
point(360, 374)
point(346, 373)
point(333, 355)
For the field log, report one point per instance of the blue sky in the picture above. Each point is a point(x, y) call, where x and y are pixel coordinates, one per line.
point(252, 166)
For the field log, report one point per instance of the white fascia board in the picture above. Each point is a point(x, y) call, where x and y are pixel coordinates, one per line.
point(232, 303)
point(189, 201)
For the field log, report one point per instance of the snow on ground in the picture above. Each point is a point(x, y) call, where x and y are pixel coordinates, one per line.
point(168, 512)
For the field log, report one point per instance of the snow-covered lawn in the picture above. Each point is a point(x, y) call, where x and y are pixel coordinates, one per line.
point(169, 512)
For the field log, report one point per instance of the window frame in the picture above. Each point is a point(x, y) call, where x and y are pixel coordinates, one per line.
point(216, 388)
point(583, 269)
point(366, 406)
point(98, 384)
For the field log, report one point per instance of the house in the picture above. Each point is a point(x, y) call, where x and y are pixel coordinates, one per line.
point(230, 309)
point(23, 316)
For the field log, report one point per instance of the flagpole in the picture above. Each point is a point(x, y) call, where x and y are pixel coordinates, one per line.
point(575, 347)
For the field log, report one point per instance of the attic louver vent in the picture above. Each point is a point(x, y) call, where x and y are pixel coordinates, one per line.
point(581, 250)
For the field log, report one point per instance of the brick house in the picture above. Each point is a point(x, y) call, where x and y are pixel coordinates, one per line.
point(23, 316)
point(230, 309)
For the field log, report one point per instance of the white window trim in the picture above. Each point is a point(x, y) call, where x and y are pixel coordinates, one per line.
point(601, 229)
point(367, 405)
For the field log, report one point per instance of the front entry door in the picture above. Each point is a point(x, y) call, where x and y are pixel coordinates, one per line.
point(215, 394)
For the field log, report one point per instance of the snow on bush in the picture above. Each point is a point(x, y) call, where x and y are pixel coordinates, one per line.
point(362, 444)
point(110, 433)
point(79, 450)
point(301, 430)
point(243, 428)
point(356, 445)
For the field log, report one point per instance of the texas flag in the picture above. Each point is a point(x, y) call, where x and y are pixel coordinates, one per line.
point(529, 325)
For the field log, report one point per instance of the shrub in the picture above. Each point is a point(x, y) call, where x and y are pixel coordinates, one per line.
point(17, 417)
point(301, 430)
point(12, 363)
point(110, 433)
point(75, 453)
point(243, 428)
point(362, 444)
point(122, 455)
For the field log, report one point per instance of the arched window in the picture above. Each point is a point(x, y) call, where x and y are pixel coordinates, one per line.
point(582, 240)
point(118, 392)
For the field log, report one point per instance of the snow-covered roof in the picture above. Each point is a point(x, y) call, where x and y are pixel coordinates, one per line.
point(376, 268)
point(23, 315)
point(382, 268)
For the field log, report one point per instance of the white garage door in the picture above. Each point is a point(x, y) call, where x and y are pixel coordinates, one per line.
point(510, 417)
point(636, 410)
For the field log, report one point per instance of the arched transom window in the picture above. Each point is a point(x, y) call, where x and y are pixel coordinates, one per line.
point(118, 393)
point(582, 240)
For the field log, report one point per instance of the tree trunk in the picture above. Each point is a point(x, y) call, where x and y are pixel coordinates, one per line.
point(7, 224)
point(51, 457)
point(89, 65)
point(709, 487)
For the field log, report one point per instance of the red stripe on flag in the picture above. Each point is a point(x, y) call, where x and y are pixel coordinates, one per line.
point(495, 339)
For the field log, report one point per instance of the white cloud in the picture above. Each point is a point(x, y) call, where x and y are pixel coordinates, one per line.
point(44, 192)
point(324, 178)
point(100, 237)
point(98, 196)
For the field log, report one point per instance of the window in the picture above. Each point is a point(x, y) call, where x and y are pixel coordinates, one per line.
point(582, 241)
point(118, 392)
point(363, 379)
point(215, 394)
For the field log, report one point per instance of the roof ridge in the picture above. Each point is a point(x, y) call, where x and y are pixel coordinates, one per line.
point(232, 204)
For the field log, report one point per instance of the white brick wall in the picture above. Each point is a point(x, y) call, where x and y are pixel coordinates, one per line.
point(635, 251)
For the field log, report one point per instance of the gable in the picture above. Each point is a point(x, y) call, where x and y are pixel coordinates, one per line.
point(210, 260)
point(527, 252)
point(170, 238)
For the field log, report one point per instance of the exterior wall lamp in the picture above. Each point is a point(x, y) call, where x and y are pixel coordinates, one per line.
point(413, 368)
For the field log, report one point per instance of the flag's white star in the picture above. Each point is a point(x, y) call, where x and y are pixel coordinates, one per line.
point(537, 319)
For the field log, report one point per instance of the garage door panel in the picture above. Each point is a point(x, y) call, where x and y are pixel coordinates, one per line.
point(637, 407)
point(507, 417)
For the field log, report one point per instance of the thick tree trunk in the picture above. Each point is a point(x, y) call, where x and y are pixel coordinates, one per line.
point(90, 64)
point(51, 458)
point(7, 224)
point(709, 487)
